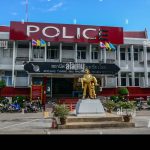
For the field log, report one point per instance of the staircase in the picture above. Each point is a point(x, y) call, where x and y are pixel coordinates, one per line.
point(109, 121)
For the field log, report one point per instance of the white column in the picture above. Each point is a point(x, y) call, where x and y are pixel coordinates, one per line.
point(45, 56)
point(90, 51)
point(30, 50)
point(104, 52)
point(101, 54)
point(145, 65)
point(29, 79)
point(51, 87)
point(13, 64)
point(132, 65)
point(75, 56)
point(60, 52)
point(118, 58)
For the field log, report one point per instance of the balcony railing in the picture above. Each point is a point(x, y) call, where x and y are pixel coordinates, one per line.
point(22, 58)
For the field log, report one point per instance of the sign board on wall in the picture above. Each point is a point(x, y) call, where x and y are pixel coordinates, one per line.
point(65, 32)
point(36, 92)
point(68, 68)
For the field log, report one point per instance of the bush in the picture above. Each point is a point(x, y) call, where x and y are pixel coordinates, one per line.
point(126, 105)
point(110, 105)
point(2, 83)
point(123, 91)
point(61, 111)
point(114, 98)
point(148, 102)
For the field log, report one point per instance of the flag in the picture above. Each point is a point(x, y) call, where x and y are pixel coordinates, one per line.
point(107, 46)
point(112, 46)
point(43, 43)
point(102, 45)
point(34, 43)
point(38, 43)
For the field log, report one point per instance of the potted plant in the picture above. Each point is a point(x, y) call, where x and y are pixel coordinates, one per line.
point(128, 106)
point(109, 105)
point(61, 111)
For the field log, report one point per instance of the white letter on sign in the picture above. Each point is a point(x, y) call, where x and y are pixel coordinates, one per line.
point(36, 29)
point(64, 34)
point(51, 36)
point(84, 33)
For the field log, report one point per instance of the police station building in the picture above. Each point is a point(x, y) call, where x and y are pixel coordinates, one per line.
point(56, 55)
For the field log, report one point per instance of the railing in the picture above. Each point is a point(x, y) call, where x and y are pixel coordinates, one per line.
point(22, 58)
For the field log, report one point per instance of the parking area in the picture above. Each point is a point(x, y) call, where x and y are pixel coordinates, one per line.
point(36, 123)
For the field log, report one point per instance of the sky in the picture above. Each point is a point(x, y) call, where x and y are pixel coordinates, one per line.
point(132, 15)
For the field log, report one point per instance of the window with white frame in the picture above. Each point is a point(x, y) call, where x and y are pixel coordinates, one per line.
point(7, 78)
point(52, 52)
point(122, 54)
point(136, 54)
point(21, 74)
point(129, 54)
point(81, 54)
point(94, 54)
point(137, 79)
point(38, 52)
point(123, 79)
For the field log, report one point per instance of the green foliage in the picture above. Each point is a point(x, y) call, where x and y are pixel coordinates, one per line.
point(123, 91)
point(2, 83)
point(61, 111)
point(114, 98)
point(19, 100)
point(148, 102)
point(110, 105)
point(126, 105)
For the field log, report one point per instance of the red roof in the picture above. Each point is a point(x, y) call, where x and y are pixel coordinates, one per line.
point(135, 34)
point(4, 29)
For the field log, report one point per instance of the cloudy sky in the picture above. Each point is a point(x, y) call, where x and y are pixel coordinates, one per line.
point(132, 15)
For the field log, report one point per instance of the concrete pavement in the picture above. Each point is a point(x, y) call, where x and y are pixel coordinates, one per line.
point(35, 123)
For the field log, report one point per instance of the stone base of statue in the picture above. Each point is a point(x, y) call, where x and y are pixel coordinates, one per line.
point(89, 107)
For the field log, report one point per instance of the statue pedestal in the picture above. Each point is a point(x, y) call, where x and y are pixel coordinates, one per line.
point(89, 107)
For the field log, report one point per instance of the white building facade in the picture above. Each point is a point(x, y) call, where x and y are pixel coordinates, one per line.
point(132, 57)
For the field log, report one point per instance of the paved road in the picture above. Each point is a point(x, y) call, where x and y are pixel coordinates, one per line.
point(35, 123)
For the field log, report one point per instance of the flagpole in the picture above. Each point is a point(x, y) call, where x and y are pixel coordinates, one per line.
point(27, 10)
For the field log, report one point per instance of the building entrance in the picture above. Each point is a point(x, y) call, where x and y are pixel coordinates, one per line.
point(62, 87)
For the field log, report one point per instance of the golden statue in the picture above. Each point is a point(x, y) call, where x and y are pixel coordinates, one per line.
point(88, 82)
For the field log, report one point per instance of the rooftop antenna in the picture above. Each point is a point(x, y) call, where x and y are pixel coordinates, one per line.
point(27, 10)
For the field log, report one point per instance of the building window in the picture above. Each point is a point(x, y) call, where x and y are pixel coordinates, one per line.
point(81, 54)
point(37, 81)
point(137, 76)
point(38, 53)
point(21, 74)
point(136, 58)
point(23, 44)
point(130, 81)
point(94, 54)
point(81, 47)
point(68, 47)
point(7, 53)
point(122, 56)
point(123, 79)
point(7, 78)
point(52, 52)
point(136, 81)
